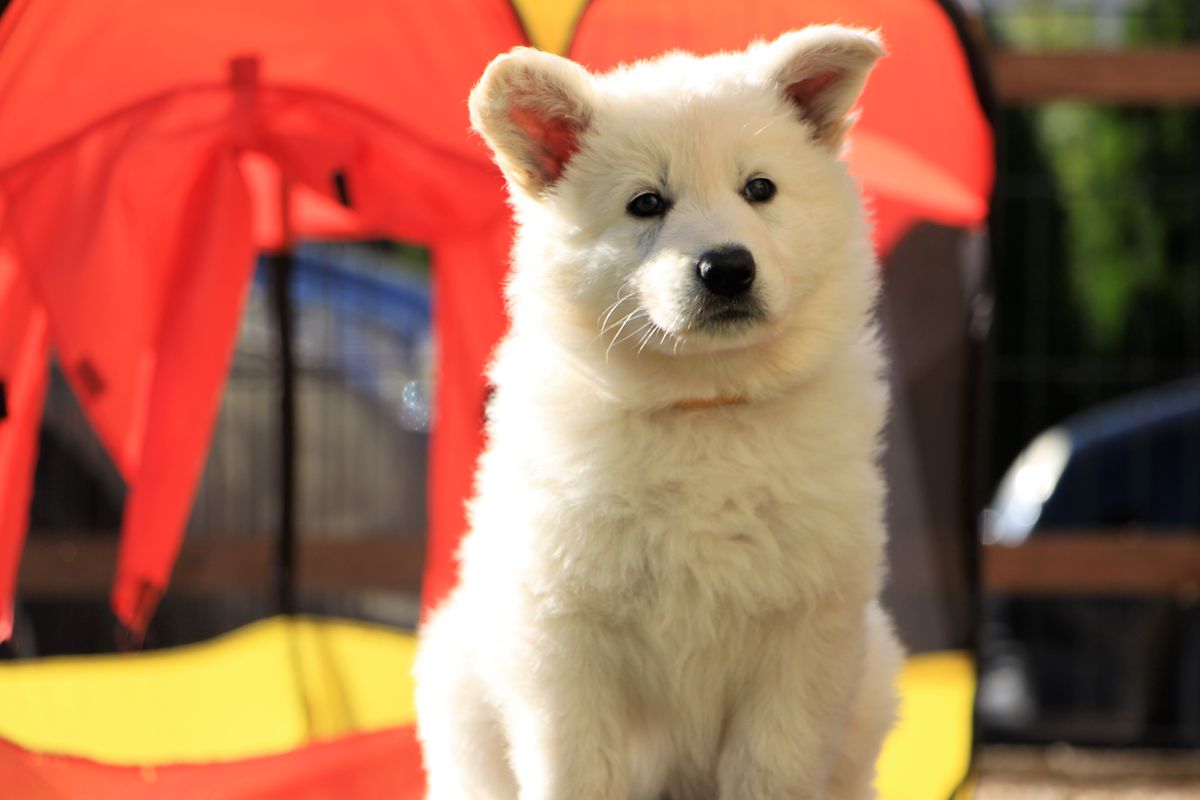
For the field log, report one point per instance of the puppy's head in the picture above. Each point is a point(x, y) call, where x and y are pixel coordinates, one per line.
point(687, 214)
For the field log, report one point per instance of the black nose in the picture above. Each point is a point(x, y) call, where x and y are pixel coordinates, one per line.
point(727, 271)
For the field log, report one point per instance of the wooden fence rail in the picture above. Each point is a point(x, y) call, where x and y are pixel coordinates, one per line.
point(1097, 562)
point(1130, 77)
point(80, 565)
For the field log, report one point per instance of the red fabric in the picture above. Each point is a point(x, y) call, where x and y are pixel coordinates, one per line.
point(23, 373)
point(155, 138)
point(370, 766)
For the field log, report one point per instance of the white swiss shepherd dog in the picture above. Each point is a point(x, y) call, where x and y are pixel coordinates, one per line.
point(669, 586)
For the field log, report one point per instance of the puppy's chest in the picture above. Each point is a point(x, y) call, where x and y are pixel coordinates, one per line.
point(684, 524)
point(702, 508)
point(695, 484)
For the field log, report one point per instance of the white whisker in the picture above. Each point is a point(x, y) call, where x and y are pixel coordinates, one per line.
point(621, 322)
point(621, 298)
point(763, 128)
point(617, 335)
point(633, 334)
point(603, 323)
point(646, 339)
point(625, 292)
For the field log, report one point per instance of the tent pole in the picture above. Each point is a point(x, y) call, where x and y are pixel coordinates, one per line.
point(281, 292)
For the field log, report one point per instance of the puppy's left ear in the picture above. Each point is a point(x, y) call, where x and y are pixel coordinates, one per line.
point(821, 70)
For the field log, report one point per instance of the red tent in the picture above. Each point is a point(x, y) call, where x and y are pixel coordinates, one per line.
point(144, 175)
point(146, 145)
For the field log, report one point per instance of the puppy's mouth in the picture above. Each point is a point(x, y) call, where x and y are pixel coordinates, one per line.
point(728, 316)
point(700, 324)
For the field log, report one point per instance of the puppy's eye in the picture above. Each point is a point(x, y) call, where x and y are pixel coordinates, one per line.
point(758, 190)
point(647, 204)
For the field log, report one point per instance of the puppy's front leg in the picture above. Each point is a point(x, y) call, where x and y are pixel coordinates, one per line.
point(787, 728)
point(566, 725)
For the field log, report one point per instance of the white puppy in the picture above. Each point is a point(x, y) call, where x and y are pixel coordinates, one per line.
point(669, 586)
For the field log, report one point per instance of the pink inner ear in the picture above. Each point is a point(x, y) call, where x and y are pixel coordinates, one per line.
point(555, 137)
point(804, 92)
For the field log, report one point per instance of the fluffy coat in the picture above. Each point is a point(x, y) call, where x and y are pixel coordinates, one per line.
point(669, 586)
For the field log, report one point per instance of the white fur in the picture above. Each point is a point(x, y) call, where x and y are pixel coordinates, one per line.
point(657, 601)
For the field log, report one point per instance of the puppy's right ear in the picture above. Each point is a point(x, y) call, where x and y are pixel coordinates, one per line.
point(532, 108)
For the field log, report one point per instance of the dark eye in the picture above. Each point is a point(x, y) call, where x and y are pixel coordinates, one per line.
point(647, 204)
point(758, 190)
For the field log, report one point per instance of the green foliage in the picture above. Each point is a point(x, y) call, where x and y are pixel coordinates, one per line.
point(1121, 173)
point(1115, 231)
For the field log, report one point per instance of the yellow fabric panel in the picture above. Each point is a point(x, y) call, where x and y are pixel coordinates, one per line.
point(239, 696)
point(236, 696)
point(358, 677)
point(929, 752)
point(549, 23)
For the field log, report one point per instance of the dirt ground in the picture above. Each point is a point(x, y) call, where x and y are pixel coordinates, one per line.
point(1067, 773)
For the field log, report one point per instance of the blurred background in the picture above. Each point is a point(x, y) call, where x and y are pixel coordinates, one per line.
point(1089, 628)
point(1044, 453)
